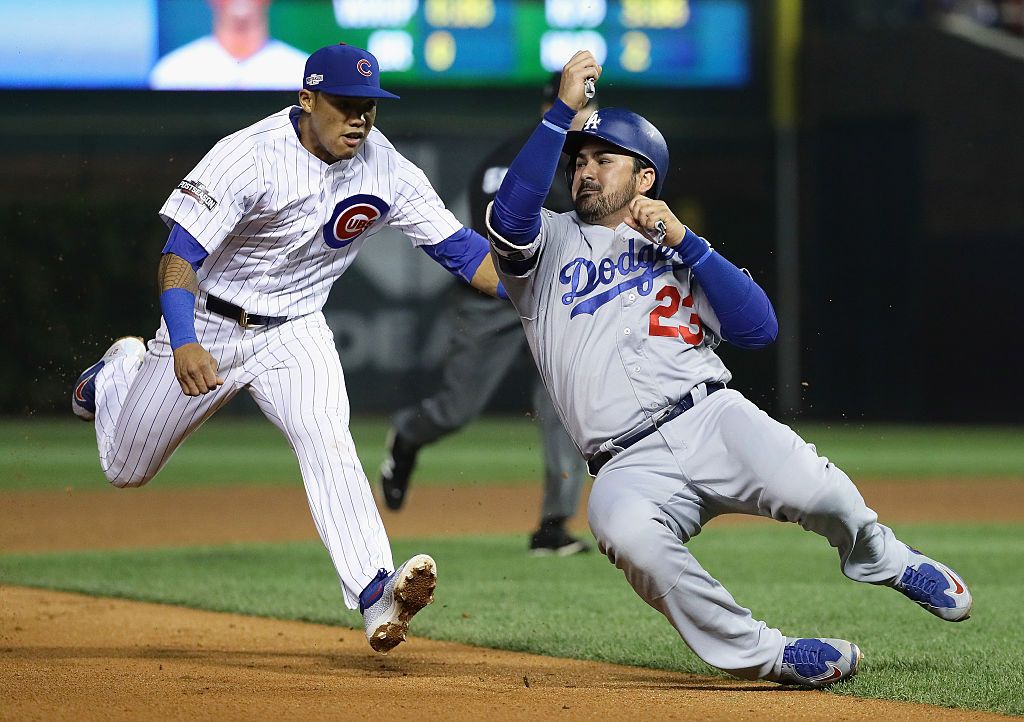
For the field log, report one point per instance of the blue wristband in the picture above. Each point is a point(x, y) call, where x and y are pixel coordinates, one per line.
point(179, 308)
point(560, 115)
point(693, 250)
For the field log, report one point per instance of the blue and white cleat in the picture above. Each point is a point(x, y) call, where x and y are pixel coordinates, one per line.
point(818, 662)
point(83, 397)
point(391, 600)
point(935, 587)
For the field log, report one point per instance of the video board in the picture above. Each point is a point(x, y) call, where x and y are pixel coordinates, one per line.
point(261, 44)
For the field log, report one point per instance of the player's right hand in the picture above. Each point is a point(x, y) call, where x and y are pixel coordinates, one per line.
point(581, 66)
point(195, 369)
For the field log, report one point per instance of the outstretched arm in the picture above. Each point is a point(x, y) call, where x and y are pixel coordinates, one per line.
point(466, 255)
point(514, 216)
point(194, 367)
point(486, 280)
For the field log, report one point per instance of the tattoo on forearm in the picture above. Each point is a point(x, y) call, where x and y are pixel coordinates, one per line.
point(176, 272)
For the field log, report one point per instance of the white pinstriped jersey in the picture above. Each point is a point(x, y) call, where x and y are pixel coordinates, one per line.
point(618, 330)
point(281, 225)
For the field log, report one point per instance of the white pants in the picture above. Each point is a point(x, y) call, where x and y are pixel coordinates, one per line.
point(727, 456)
point(293, 372)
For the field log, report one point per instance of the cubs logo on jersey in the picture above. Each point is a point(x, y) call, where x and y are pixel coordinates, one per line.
point(351, 218)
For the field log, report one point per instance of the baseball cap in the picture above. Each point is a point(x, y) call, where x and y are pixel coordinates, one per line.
point(344, 70)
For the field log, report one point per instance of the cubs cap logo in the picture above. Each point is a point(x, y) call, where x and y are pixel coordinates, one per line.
point(364, 67)
point(352, 217)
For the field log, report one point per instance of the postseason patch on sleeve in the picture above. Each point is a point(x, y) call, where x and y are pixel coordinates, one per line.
point(198, 191)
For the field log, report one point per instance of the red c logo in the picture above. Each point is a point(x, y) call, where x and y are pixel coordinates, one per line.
point(353, 221)
point(364, 68)
point(351, 218)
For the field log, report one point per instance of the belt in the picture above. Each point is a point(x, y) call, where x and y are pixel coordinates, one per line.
point(236, 313)
point(602, 457)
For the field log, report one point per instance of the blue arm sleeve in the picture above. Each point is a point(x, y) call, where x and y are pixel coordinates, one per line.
point(183, 245)
point(460, 253)
point(746, 315)
point(178, 306)
point(516, 211)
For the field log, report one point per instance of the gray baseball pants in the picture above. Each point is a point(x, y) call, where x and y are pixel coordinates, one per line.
point(727, 456)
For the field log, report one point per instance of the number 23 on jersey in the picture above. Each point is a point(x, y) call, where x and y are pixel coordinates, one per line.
point(662, 322)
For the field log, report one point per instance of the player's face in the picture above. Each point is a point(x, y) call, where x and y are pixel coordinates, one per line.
point(339, 124)
point(604, 182)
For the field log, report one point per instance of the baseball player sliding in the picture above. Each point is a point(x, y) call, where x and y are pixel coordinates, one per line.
point(623, 306)
point(260, 231)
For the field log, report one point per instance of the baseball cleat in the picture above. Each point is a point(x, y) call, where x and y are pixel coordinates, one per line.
point(83, 397)
point(391, 600)
point(818, 662)
point(396, 470)
point(935, 587)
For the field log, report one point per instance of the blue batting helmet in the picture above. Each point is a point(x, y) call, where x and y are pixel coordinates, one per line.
point(624, 129)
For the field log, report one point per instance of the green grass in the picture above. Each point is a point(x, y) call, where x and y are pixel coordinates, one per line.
point(492, 594)
point(50, 454)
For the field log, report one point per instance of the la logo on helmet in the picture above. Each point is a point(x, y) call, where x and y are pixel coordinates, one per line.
point(593, 121)
point(351, 218)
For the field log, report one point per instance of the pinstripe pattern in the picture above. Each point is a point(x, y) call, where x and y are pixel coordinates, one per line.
point(273, 198)
point(258, 203)
point(294, 374)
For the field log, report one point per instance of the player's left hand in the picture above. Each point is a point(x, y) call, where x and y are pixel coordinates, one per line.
point(644, 213)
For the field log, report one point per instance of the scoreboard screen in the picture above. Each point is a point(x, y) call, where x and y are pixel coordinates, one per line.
point(669, 43)
point(258, 44)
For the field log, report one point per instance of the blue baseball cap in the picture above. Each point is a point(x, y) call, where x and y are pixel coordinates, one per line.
point(344, 70)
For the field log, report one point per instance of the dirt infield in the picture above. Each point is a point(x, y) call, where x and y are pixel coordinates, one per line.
point(67, 656)
point(153, 516)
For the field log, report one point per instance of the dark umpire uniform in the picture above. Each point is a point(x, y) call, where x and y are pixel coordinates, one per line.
point(487, 339)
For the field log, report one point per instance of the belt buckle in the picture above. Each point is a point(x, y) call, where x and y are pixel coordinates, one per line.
point(243, 319)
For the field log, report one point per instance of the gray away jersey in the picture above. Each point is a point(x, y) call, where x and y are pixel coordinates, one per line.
point(618, 330)
point(281, 225)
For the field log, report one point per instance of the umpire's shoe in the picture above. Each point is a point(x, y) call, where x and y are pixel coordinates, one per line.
point(553, 539)
point(818, 662)
point(396, 470)
point(935, 587)
point(391, 600)
point(83, 396)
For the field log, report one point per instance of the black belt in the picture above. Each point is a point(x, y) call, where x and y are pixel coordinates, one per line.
point(235, 313)
point(595, 462)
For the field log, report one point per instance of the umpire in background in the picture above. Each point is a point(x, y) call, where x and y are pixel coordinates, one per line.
point(487, 337)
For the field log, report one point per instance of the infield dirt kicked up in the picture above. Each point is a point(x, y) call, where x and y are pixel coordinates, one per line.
point(69, 656)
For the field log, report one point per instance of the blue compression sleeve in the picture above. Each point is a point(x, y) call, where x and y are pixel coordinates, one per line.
point(460, 253)
point(516, 212)
point(179, 308)
point(743, 309)
point(182, 244)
